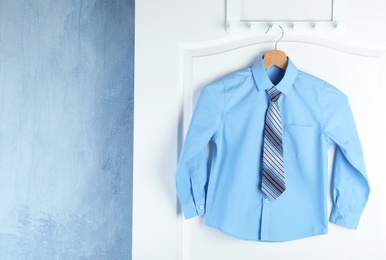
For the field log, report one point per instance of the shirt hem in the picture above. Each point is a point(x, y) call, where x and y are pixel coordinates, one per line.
point(323, 232)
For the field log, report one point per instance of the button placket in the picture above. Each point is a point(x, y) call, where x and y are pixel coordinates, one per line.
point(265, 219)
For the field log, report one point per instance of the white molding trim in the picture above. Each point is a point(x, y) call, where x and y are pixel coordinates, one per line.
point(231, 42)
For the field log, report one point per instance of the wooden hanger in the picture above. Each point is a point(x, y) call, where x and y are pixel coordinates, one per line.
point(276, 57)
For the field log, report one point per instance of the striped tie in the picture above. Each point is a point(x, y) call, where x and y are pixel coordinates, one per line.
point(273, 180)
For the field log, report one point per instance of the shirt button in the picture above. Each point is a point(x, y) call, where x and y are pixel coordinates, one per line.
point(266, 200)
point(340, 217)
point(201, 207)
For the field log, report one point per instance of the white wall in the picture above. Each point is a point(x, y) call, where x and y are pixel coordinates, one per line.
point(367, 20)
point(181, 46)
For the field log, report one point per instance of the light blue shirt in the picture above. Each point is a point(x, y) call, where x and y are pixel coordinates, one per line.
point(230, 114)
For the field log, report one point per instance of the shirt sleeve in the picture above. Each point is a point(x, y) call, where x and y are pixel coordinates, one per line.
point(192, 170)
point(349, 184)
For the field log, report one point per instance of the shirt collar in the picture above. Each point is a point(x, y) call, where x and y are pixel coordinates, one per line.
point(263, 82)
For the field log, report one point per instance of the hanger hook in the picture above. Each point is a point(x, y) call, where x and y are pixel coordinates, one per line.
point(282, 34)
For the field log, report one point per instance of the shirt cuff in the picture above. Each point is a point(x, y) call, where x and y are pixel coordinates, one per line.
point(344, 218)
point(194, 209)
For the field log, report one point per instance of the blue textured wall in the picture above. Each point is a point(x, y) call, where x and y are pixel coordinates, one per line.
point(66, 101)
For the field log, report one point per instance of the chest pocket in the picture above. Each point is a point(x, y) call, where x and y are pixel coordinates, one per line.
point(299, 140)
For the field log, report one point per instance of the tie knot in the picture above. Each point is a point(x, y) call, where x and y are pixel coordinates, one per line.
point(273, 94)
